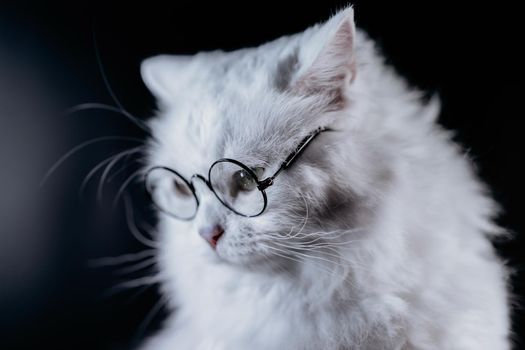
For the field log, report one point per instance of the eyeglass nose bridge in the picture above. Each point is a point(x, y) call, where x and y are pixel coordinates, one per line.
point(200, 177)
point(203, 179)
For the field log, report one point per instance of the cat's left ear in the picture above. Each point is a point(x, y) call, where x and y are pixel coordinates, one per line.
point(166, 76)
point(327, 60)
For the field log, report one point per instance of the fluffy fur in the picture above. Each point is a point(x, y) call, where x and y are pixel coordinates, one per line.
point(377, 238)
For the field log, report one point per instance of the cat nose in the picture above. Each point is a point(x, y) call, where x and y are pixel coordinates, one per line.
point(211, 234)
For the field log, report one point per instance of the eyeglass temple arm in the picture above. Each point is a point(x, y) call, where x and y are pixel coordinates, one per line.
point(292, 157)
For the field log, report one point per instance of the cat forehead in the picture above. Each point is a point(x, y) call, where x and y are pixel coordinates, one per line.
point(251, 128)
point(243, 73)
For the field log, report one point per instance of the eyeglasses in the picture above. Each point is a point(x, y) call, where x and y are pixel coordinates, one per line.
point(237, 186)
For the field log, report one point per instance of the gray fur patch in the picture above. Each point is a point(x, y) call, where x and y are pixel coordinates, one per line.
point(285, 70)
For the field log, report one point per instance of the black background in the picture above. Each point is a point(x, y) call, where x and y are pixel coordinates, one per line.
point(470, 55)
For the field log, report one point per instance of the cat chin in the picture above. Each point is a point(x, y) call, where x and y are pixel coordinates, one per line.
point(254, 261)
point(243, 260)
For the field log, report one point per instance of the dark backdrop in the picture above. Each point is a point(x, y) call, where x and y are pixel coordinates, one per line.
point(49, 297)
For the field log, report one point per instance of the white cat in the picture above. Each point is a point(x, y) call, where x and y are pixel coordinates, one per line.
point(376, 237)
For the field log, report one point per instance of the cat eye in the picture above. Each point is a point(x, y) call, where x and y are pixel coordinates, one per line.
point(244, 181)
point(238, 187)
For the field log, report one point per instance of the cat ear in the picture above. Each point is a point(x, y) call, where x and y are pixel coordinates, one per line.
point(166, 75)
point(327, 57)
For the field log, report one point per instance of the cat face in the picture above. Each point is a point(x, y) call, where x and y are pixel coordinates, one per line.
point(255, 106)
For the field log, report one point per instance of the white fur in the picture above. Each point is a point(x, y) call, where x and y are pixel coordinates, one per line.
point(402, 257)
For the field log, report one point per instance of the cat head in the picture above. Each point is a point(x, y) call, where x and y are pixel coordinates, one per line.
point(255, 106)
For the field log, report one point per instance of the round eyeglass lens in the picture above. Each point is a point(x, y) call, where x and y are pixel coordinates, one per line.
point(236, 187)
point(171, 193)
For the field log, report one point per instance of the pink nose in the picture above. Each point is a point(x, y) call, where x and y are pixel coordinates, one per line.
point(211, 234)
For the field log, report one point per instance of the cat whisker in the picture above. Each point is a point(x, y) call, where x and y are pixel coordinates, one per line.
point(336, 248)
point(132, 284)
point(138, 266)
point(318, 238)
point(133, 227)
point(335, 234)
point(308, 256)
point(152, 231)
point(96, 168)
point(316, 264)
point(108, 168)
point(278, 266)
point(81, 146)
point(329, 254)
point(109, 108)
point(123, 167)
point(91, 173)
point(150, 316)
point(326, 235)
point(138, 293)
point(306, 213)
point(295, 257)
point(325, 249)
point(125, 184)
point(276, 251)
point(325, 240)
point(121, 259)
point(139, 123)
point(324, 254)
point(312, 244)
